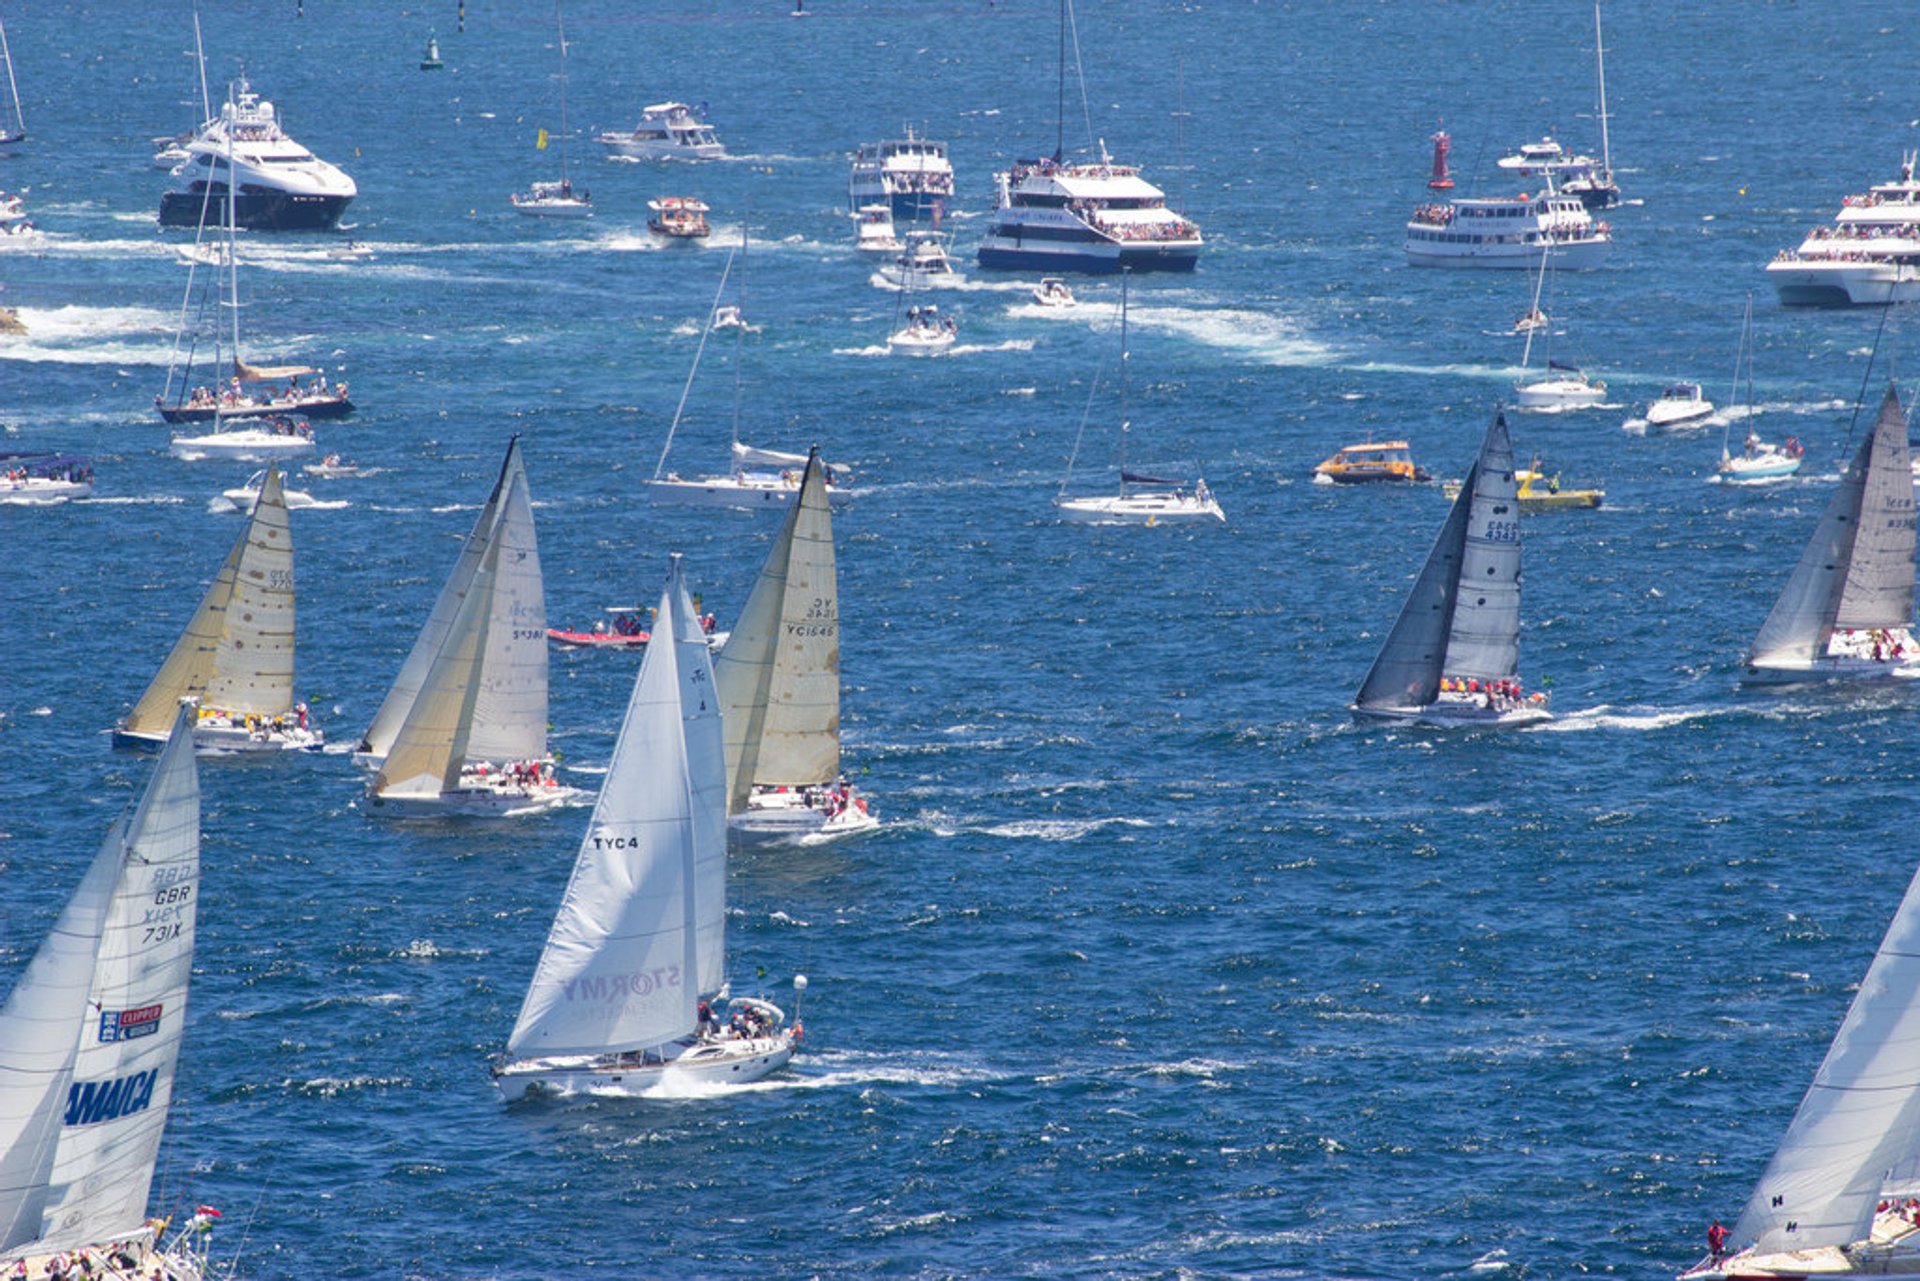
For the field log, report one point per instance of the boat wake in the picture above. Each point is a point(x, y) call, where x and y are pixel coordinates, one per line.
point(1604, 716)
point(1269, 339)
point(75, 335)
point(1057, 829)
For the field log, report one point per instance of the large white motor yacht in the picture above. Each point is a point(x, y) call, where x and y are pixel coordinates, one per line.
point(1869, 255)
point(1511, 232)
point(911, 176)
point(667, 131)
point(1056, 216)
point(282, 186)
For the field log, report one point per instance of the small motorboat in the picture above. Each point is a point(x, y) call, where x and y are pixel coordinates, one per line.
point(923, 264)
point(679, 218)
point(1540, 492)
point(41, 479)
point(243, 497)
point(1053, 292)
point(1370, 461)
point(1758, 460)
point(331, 468)
point(1680, 405)
point(727, 316)
point(1532, 321)
point(873, 230)
point(1565, 387)
point(926, 333)
point(625, 627)
point(205, 254)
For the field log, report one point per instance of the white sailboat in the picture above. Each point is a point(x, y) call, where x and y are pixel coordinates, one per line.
point(236, 655)
point(1143, 499)
point(1453, 656)
point(556, 199)
point(1564, 386)
point(617, 1003)
point(464, 729)
point(89, 1040)
point(1846, 612)
point(1830, 1202)
point(759, 479)
point(779, 684)
point(13, 126)
point(1757, 460)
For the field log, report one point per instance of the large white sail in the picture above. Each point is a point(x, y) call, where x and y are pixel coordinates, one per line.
point(190, 665)
point(510, 711)
point(413, 673)
point(1462, 617)
point(779, 673)
point(425, 759)
point(1860, 1119)
point(253, 662)
point(641, 930)
point(1857, 570)
point(92, 1033)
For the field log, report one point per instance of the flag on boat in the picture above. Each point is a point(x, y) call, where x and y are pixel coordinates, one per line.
point(540, 141)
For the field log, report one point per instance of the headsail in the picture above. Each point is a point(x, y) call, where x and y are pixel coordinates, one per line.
point(253, 662)
point(510, 712)
point(744, 455)
point(90, 1036)
point(779, 674)
point(641, 931)
point(406, 687)
point(190, 666)
point(1860, 1117)
point(1462, 617)
point(1857, 570)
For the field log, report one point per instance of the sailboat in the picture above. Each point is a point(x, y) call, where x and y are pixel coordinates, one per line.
point(779, 684)
point(89, 1040)
point(180, 402)
point(556, 199)
point(1564, 386)
point(1143, 499)
point(619, 999)
point(1453, 655)
point(759, 479)
point(1831, 1202)
point(1846, 612)
point(1757, 460)
point(236, 655)
point(13, 126)
point(464, 729)
point(1596, 187)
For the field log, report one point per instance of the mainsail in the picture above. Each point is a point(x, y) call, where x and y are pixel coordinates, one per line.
point(1860, 1117)
point(641, 932)
point(237, 651)
point(1463, 616)
point(510, 710)
point(413, 673)
point(779, 674)
point(90, 1035)
point(1858, 568)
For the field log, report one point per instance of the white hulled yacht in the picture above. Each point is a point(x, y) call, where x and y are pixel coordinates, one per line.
point(1869, 255)
point(1056, 216)
point(667, 131)
point(1508, 231)
point(910, 175)
point(282, 186)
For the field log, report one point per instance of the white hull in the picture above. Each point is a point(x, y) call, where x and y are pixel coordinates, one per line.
point(910, 342)
point(1140, 509)
point(1663, 417)
point(1893, 1249)
point(473, 802)
point(1805, 283)
point(1830, 668)
point(644, 149)
point(1775, 465)
point(228, 740)
point(243, 499)
point(38, 492)
point(1576, 255)
point(241, 446)
point(701, 1062)
point(1449, 714)
point(552, 208)
point(150, 1264)
point(787, 815)
point(749, 495)
point(1558, 393)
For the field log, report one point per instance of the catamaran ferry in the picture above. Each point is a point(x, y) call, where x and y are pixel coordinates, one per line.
point(1056, 216)
point(1511, 232)
point(1869, 255)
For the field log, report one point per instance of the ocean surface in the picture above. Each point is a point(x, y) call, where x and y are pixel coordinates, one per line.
point(1160, 965)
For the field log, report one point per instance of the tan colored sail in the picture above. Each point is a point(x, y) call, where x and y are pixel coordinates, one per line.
point(426, 758)
point(253, 663)
point(190, 666)
point(778, 676)
point(269, 373)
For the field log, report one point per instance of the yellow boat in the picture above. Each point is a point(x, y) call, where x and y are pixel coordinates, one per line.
point(1540, 492)
point(1370, 461)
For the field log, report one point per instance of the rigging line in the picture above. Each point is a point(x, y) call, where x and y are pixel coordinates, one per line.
point(1080, 74)
point(1865, 375)
point(705, 333)
point(1086, 413)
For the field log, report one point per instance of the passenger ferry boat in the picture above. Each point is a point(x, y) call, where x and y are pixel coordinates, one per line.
point(1371, 461)
point(1055, 216)
point(667, 131)
point(1870, 255)
point(911, 176)
point(282, 186)
point(1510, 232)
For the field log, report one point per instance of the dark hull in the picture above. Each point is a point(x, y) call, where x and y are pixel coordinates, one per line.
point(1133, 257)
point(256, 211)
point(332, 407)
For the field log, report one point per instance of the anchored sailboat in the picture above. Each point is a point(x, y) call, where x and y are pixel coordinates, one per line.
point(1828, 1204)
point(779, 684)
point(89, 1039)
point(617, 1003)
point(1453, 655)
point(13, 125)
point(236, 655)
point(557, 199)
point(1757, 460)
point(464, 729)
point(1846, 612)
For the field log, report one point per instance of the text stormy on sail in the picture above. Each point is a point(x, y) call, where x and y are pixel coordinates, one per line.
point(621, 987)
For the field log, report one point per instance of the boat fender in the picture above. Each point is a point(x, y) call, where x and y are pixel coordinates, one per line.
point(861, 801)
point(799, 1030)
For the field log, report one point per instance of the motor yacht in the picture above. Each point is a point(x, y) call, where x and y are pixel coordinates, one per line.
point(667, 131)
point(873, 230)
point(1869, 255)
point(1057, 216)
point(282, 186)
point(1681, 405)
point(1508, 232)
point(922, 264)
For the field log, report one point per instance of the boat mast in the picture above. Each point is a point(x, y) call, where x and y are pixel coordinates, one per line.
point(200, 57)
point(1124, 424)
point(1600, 66)
point(233, 261)
point(1526, 353)
point(560, 22)
point(1060, 110)
point(13, 88)
point(739, 332)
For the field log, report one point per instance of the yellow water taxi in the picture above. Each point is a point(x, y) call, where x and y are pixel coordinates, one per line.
point(1370, 461)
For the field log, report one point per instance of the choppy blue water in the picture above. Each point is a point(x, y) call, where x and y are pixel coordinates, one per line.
point(1160, 965)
